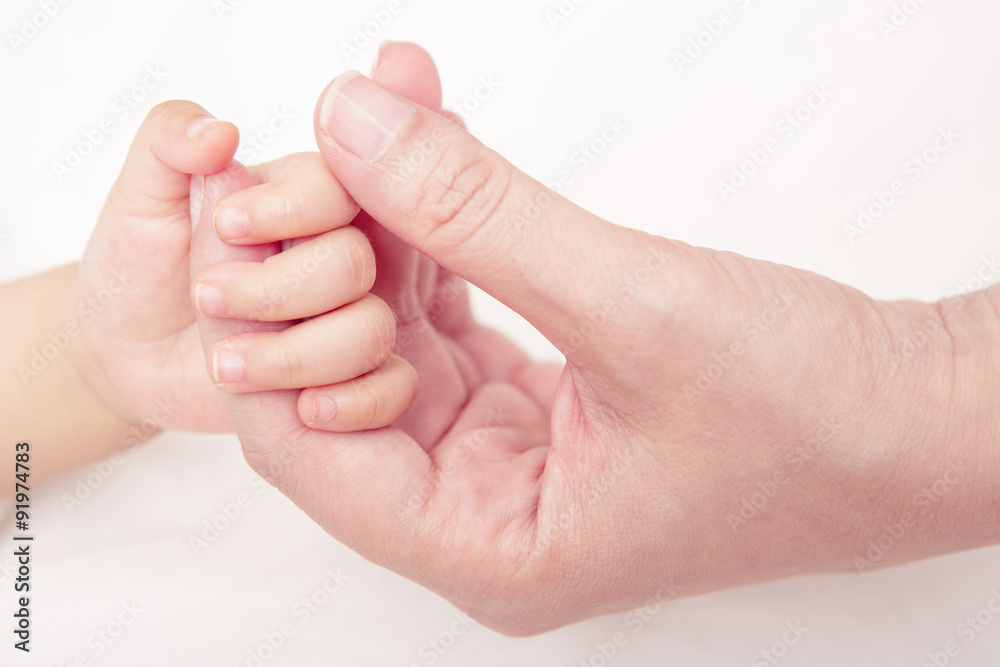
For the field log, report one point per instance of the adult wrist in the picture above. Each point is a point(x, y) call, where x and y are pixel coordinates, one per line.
point(945, 492)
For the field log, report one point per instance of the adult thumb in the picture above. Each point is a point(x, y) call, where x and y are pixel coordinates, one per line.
point(443, 192)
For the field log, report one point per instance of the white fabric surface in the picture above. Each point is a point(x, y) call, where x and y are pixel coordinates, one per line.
point(129, 543)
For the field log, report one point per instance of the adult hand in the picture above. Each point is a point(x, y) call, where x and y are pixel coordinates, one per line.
point(719, 420)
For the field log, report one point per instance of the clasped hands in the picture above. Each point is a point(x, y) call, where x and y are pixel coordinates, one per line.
point(331, 312)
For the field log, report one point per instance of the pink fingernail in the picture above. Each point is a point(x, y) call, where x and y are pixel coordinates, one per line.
point(210, 300)
point(197, 128)
point(231, 223)
point(228, 366)
point(324, 409)
point(362, 115)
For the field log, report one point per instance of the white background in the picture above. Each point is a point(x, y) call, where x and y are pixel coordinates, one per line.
point(686, 129)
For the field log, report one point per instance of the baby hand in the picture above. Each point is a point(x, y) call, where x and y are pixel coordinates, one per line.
point(329, 334)
point(138, 349)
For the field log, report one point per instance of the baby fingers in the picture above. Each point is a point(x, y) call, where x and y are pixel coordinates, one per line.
point(315, 276)
point(331, 348)
point(303, 200)
point(370, 401)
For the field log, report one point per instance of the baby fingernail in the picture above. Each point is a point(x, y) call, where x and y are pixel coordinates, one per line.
point(228, 366)
point(231, 223)
point(362, 115)
point(210, 300)
point(324, 409)
point(200, 126)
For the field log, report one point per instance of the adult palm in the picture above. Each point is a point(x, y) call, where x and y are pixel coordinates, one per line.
point(532, 496)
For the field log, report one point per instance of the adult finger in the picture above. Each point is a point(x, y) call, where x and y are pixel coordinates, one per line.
point(440, 190)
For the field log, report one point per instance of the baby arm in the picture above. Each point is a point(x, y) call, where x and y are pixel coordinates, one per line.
point(103, 353)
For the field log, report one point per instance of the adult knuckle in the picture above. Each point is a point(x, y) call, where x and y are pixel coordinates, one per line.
point(462, 194)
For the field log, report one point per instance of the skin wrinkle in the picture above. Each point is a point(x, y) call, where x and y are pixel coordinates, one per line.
point(455, 203)
point(360, 261)
point(943, 322)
